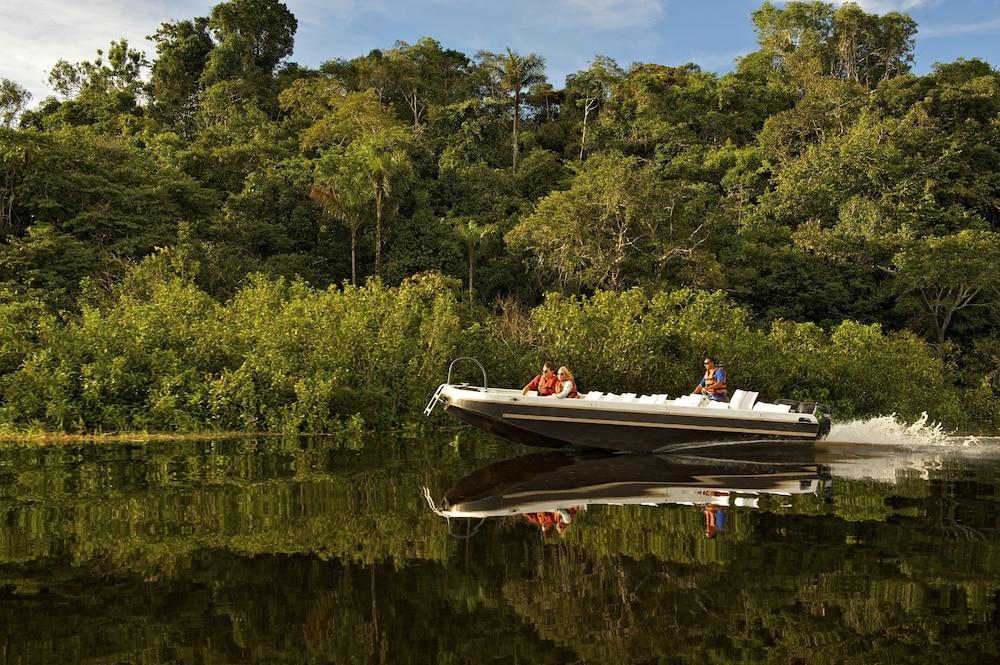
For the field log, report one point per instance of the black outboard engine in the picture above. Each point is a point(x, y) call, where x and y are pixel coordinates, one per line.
point(819, 410)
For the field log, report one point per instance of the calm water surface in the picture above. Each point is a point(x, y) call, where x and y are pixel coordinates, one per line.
point(467, 551)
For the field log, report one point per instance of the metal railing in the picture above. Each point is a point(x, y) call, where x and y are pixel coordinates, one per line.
point(437, 393)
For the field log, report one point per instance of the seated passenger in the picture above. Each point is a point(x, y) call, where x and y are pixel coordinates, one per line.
point(566, 387)
point(713, 383)
point(545, 383)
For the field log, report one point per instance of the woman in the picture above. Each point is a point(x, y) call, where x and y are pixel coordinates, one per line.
point(566, 387)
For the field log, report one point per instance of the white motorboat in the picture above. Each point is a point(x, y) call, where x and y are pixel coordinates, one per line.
point(628, 422)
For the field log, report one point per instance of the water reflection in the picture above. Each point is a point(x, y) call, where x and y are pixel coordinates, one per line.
point(303, 551)
point(549, 490)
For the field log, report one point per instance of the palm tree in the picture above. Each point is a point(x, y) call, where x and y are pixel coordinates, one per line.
point(385, 162)
point(472, 233)
point(344, 202)
point(512, 73)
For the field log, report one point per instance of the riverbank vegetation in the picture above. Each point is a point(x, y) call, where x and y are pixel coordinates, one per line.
point(221, 239)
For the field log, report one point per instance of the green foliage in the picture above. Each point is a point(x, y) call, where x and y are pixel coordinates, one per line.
point(13, 101)
point(938, 278)
point(182, 49)
point(812, 185)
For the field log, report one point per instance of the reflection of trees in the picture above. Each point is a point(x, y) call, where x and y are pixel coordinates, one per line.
point(944, 520)
point(295, 552)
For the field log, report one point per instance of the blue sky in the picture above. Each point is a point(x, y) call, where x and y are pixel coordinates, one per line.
point(567, 33)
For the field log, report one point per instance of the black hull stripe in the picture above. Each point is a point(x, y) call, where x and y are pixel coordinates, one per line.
point(639, 423)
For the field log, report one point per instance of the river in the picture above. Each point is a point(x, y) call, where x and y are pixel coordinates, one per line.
point(881, 545)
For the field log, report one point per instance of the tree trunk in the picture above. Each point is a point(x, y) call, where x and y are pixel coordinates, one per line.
point(583, 139)
point(472, 255)
point(517, 113)
point(378, 229)
point(354, 245)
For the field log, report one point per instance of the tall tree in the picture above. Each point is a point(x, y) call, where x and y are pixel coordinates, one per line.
point(253, 37)
point(804, 41)
point(471, 233)
point(341, 195)
point(182, 49)
point(510, 73)
point(13, 101)
point(592, 89)
point(385, 162)
point(938, 278)
point(120, 70)
point(615, 227)
point(424, 74)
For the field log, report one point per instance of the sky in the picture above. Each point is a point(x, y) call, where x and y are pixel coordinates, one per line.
point(34, 34)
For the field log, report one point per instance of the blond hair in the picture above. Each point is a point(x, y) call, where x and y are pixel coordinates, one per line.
point(568, 373)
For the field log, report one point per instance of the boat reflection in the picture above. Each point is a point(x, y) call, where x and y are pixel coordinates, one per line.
point(551, 489)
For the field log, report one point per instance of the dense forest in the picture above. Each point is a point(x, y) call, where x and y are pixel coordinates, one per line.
point(219, 238)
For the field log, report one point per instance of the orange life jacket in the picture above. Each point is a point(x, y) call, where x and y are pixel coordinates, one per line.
point(545, 386)
point(711, 385)
point(572, 393)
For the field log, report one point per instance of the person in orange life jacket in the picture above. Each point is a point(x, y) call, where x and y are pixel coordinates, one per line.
point(545, 383)
point(567, 384)
point(560, 519)
point(713, 383)
point(715, 520)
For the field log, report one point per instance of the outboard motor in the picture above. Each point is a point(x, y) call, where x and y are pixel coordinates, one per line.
point(819, 410)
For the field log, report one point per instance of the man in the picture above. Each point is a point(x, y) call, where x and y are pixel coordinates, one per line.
point(545, 383)
point(713, 383)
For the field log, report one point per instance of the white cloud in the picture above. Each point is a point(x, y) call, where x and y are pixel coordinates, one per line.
point(884, 6)
point(38, 33)
point(960, 29)
point(600, 15)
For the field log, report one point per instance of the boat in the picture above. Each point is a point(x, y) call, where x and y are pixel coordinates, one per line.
point(553, 481)
point(627, 422)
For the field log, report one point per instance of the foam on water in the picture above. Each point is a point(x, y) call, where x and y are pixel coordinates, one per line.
point(891, 431)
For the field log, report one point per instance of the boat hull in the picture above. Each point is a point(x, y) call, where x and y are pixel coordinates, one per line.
point(547, 481)
point(561, 425)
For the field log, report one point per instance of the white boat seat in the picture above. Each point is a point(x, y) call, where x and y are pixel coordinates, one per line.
point(628, 397)
point(764, 407)
point(717, 405)
point(743, 399)
point(610, 397)
point(691, 400)
point(647, 399)
point(594, 395)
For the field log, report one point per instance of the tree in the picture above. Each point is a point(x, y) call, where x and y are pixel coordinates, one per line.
point(510, 74)
point(120, 71)
point(869, 48)
point(337, 120)
point(385, 162)
point(614, 227)
point(937, 278)
point(471, 233)
point(253, 37)
point(47, 260)
point(423, 74)
point(182, 50)
point(805, 41)
point(343, 197)
point(13, 101)
point(592, 88)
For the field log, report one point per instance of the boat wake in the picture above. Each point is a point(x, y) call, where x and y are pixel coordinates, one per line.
point(892, 431)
